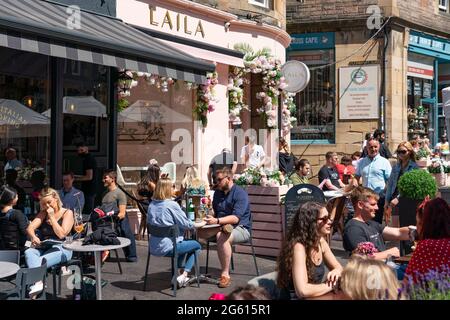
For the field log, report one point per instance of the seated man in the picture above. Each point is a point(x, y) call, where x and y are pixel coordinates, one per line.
point(363, 229)
point(232, 212)
point(71, 197)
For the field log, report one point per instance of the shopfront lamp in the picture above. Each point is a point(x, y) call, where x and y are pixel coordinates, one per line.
point(124, 81)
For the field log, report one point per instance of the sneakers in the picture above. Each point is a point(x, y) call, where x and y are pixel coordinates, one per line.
point(132, 259)
point(36, 288)
point(182, 280)
point(224, 282)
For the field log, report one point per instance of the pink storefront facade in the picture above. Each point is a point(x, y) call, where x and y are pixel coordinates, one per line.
point(171, 133)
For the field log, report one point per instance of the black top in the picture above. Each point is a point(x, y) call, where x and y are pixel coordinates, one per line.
point(21, 194)
point(286, 162)
point(224, 159)
point(13, 230)
point(356, 231)
point(329, 173)
point(318, 274)
point(89, 162)
point(46, 231)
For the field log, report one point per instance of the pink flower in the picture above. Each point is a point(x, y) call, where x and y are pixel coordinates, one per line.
point(217, 296)
point(366, 248)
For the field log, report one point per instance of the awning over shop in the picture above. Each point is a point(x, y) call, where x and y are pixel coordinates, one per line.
point(43, 27)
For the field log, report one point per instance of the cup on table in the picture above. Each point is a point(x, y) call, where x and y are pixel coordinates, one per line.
point(69, 239)
point(201, 215)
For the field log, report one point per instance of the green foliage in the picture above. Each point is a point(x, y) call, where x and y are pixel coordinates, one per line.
point(122, 104)
point(422, 153)
point(417, 184)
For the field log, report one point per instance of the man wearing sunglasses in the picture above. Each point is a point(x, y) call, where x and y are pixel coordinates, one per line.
point(362, 228)
point(231, 212)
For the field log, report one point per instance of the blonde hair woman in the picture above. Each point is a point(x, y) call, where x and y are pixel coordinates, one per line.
point(365, 278)
point(52, 222)
point(164, 212)
point(192, 182)
point(406, 162)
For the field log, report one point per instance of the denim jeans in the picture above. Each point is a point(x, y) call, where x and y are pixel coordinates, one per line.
point(125, 231)
point(55, 255)
point(186, 249)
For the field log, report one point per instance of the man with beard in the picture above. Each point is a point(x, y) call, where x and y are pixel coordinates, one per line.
point(87, 178)
point(231, 211)
point(114, 194)
point(362, 228)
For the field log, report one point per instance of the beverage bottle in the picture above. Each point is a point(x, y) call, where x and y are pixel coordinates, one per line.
point(191, 210)
point(27, 206)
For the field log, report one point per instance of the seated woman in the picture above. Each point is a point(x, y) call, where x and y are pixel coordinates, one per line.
point(301, 173)
point(13, 223)
point(192, 184)
point(433, 248)
point(365, 278)
point(301, 264)
point(164, 212)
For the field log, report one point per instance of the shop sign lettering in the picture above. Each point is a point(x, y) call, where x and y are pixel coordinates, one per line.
point(178, 22)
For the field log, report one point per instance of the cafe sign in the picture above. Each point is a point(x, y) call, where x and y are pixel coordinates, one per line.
point(9, 116)
point(174, 21)
point(358, 93)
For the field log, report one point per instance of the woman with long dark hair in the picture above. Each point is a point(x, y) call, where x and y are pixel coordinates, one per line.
point(301, 263)
point(13, 223)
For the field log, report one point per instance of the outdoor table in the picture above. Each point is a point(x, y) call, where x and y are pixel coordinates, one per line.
point(76, 245)
point(204, 277)
point(8, 269)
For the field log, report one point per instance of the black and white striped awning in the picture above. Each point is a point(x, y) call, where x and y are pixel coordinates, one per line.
point(41, 26)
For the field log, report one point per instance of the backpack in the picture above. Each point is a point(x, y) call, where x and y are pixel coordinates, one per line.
point(105, 216)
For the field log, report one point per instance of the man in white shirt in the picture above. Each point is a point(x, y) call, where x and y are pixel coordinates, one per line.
point(252, 155)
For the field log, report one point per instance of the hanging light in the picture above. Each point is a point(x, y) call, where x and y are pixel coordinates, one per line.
point(28, 101)
point(125, 81)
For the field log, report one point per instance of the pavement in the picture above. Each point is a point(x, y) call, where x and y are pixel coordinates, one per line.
point(129, 285)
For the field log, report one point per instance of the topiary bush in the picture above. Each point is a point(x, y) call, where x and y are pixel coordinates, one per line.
point(417, 184)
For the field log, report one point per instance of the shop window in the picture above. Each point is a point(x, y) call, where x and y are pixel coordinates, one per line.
point(24, 117)
point(420, 109)
point(316, 104)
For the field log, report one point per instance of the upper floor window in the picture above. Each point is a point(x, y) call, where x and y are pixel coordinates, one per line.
point(443, 5)
point(261, 3)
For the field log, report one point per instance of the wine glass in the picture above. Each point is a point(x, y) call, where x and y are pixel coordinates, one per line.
point(78, 222)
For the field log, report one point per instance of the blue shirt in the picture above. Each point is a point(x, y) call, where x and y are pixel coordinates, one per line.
point(166, 213)
point(72, 201)
point(393, 180)
point(235, 203)
point(374, 172)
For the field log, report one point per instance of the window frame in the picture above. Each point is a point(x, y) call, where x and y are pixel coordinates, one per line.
point(443, 7)
point(259, 4)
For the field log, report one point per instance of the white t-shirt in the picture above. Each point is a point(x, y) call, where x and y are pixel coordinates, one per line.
point(255, 157)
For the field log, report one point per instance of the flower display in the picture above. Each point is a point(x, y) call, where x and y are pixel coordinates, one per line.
point(433, 285)
point(26, 172)
point(366, 248)
point(260, 177)
point(206, 99)
point(235, 92)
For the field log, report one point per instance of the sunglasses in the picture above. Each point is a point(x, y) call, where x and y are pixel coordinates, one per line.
point(325, 219)
point(402, 151)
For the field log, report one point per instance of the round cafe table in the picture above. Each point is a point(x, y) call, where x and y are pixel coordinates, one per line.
point(77, 245)
point(8, 269)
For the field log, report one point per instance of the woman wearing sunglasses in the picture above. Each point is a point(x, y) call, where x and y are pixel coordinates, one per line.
point(305, 252)
point(406, 162)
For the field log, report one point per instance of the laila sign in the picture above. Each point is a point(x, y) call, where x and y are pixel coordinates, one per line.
point(296, 74)
point(176, 21)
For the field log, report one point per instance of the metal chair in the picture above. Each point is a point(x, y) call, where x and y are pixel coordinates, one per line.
point(56, 272)
point(25, 278)
point(170, 168)
point(249, 242)
point(10, 256)
point(169, 232)
point(121, 180)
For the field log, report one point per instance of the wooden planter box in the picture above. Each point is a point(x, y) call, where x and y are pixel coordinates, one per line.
point(267, 220)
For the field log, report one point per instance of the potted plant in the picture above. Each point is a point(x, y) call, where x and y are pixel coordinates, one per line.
point(439, 173)
point(413, 188)
point(422, 158)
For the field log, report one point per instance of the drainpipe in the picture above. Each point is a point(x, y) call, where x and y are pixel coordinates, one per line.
point(383, 80)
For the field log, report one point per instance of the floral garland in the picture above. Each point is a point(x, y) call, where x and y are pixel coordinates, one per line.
point(260, 177)
point(274, 84)
point(206, 98)
point(235, 94)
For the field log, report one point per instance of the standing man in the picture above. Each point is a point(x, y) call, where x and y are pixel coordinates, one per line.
point(232, 212)
point(114, 194)
point(71, 197)
point(379, 135)
point(87, 178)
point(362, 228)
point(223, 159)
point(329, 172)
point(375, 171)
point(252, 154)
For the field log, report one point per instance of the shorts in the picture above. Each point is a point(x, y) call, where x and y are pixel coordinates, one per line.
point(240, 235)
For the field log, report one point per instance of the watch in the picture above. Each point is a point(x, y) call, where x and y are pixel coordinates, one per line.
point(218, 221)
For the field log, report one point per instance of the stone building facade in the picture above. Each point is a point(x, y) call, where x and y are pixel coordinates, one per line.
point(411, 53)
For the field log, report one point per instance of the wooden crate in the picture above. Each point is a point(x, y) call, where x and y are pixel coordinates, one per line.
point(267, 220)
